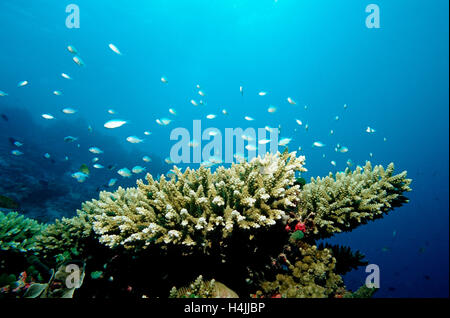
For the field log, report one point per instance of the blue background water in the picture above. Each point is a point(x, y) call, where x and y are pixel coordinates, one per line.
point(394, 79)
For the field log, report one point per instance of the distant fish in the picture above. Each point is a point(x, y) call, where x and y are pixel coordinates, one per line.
point(18, 144)
point(249, 118)
point(138, 169)
point(343, 149)
point(318, 144)
point(345, 106)
point(78, 60)
point(241, 90)
point(22, 84)
point(114, 49)
point(193, 102)
point(384, 139)
point(111, 111)
point(46, 155)
point(72, 49)
point(350, 163)
point(333, 163)
point(211, 116)
point(5, 118)
point(224, 111)
point(69, 111)
point(198, 86)
point(95, 150)
point(90, 128)
point(2, 93)
point(269, 129)
point(163, 121)
point(164, 80)
point(370, 130)
point(98, 166)
point(146, 159)
point(284, 141)
point(246, 137)
point(80, 176)
point(134, 140)
point(262, 93)
point(272, 109)
point(147, 133)
point(124, 172)
point(70, 139)
point(115, 123)
point(112, 182)
point(168, 161)
point(299, 122)
point(336, 118)
point(66, 76)
point(47, 116)
point(291, 101)
point(84, 169)
point(263, 141)
point(57, 93)
point(172, 111)
point(17, 152)
point(250, 147)
point(94, 160)
point(306, 127)
point(331, 132)
point(201, 93)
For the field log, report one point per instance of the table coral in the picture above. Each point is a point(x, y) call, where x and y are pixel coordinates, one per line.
point(253, 226)
point(198, 208)
point(18, 233)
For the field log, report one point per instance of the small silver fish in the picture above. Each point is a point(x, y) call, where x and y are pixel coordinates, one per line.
point(17, 153)
point(70, 139)
point(134, 140)
point(138, 169)
point(95, 150)
point(124, 172)
point(115, 123)
point(78, 60)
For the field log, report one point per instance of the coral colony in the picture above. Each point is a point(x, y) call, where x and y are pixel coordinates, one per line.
point(246, 231)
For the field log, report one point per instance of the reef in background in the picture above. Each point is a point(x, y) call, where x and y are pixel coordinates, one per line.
point(250, 229)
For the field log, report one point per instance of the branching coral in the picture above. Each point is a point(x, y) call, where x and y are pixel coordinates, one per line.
point(203, 289)
point(309, 274)
point(253, 226)
point(198, 208)
point(18, 233)
point(348, 199)
point(68, 236)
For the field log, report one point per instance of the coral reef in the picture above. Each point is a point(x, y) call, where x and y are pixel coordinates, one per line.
point(308, 272)
point(348, 199)
point(198, 209)
point(18, 233)
point(252, 226)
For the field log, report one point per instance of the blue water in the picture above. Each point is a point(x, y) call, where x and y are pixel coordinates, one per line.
point(320, 53)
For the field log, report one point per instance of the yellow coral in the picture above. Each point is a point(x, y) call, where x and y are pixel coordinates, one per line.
point(198, 207)
point(344, 201)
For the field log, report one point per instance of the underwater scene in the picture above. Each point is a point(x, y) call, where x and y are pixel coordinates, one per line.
point(248, 149)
